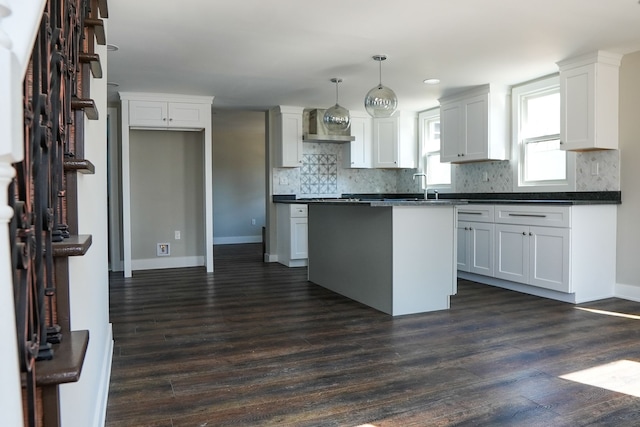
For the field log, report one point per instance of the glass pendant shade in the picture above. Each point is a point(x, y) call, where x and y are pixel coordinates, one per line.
point(381, 101)
point(337, 118)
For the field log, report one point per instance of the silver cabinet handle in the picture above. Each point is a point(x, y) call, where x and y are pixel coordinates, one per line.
point(470, 213)
point(529, 215)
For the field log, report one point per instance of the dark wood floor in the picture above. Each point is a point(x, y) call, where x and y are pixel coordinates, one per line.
point(256, 344)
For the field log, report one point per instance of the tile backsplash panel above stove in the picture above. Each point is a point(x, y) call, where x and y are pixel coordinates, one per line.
point(319, 174)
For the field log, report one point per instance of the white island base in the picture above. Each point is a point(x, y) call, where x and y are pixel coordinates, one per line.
point(397, 259)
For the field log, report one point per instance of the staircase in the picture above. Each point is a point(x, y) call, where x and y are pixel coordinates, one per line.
point(43, 197)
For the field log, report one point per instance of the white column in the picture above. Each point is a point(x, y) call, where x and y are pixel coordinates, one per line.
point(19, 22)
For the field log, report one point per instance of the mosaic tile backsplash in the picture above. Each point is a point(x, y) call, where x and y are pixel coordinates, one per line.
point(316, 180)
point(319, 174)
point(322, 175)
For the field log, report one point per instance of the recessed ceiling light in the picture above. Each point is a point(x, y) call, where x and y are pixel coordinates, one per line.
point(112, 48)
point(431, 81)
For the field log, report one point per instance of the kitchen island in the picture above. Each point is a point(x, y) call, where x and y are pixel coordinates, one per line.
point(398, 257)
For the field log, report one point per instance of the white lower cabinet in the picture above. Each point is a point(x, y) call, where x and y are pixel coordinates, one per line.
point(564, 252)
point(292, 235)
point(475, 247)
point(537, 256)
point(475, 239)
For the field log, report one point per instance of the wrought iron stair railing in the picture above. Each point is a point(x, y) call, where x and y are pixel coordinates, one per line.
point(44, 229)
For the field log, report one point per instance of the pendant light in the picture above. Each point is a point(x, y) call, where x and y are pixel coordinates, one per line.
point(380, 101)
point(337, 118)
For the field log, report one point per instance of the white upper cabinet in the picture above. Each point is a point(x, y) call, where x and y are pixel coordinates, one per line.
point(287, 125)
point(589, 102)
point(395, 144)
point(474, 125)
point(184, 113)
point(357, 153)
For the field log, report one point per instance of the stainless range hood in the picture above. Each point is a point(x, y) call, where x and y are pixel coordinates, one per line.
point(315, 131)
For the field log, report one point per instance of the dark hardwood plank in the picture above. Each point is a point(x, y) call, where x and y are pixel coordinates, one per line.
point(256, 344)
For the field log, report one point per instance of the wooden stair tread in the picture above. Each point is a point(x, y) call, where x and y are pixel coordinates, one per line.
point(93, 59)
point(98, 28)
point(75, 245)
point(79, 165)
point(66, 365)
point(87, 105)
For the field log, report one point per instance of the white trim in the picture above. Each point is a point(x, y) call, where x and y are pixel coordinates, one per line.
point(236, 239)
point(628, 292)
point(105, 379)
point(540, 85)
point(207, 153)
point(423, 116)
point(518, 287)
point(114, 191)
point(270, 257)
point(167, 262)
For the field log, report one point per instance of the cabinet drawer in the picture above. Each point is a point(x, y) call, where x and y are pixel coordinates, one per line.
point(477, 213)
point(297, 211)
point(546, 216)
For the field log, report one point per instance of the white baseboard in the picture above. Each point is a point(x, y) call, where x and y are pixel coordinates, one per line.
point(519, 287)
point(629, 292)
point(236, 240)
point(105, 378)
point(167, 262)
point(270, 257)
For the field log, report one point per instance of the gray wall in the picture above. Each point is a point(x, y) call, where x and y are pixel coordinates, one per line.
point(166, 193)
point(239, 143)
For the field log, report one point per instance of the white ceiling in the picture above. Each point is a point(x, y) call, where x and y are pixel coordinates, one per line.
point(255, 54)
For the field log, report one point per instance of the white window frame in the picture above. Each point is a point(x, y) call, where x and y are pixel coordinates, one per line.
point(426, 117)
point(518, 93)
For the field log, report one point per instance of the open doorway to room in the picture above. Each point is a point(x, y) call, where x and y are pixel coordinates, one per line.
point(239, 195)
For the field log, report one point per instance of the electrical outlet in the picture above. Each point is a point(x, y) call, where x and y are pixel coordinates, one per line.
point(176, 234)
point(163, 249)
point(253, 221)
point(595, 168)
point(485, 176)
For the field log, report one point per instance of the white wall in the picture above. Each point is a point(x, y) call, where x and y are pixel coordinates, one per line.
point(628, 243)
point(83, 403)
point(238, 176)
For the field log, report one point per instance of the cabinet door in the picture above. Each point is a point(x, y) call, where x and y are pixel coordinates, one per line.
point(512, 252)
point(188, 115)
point(357, 153)
point(475, 136)
point(385, 143)
point(299, 242)
point(148, 113)
point(289, 140)
point(549, 258)
point(577, 108)
point(450, 132)
point(481, 248)
point(463, 246)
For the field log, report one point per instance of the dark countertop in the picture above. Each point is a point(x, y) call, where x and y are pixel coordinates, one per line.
point(417, 199)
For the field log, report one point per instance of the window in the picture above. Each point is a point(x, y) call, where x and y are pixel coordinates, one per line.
point(438, 174)
point(539, 163)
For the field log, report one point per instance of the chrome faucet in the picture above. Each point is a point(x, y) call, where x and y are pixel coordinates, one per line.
point(425, 182)
point(435, 194)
